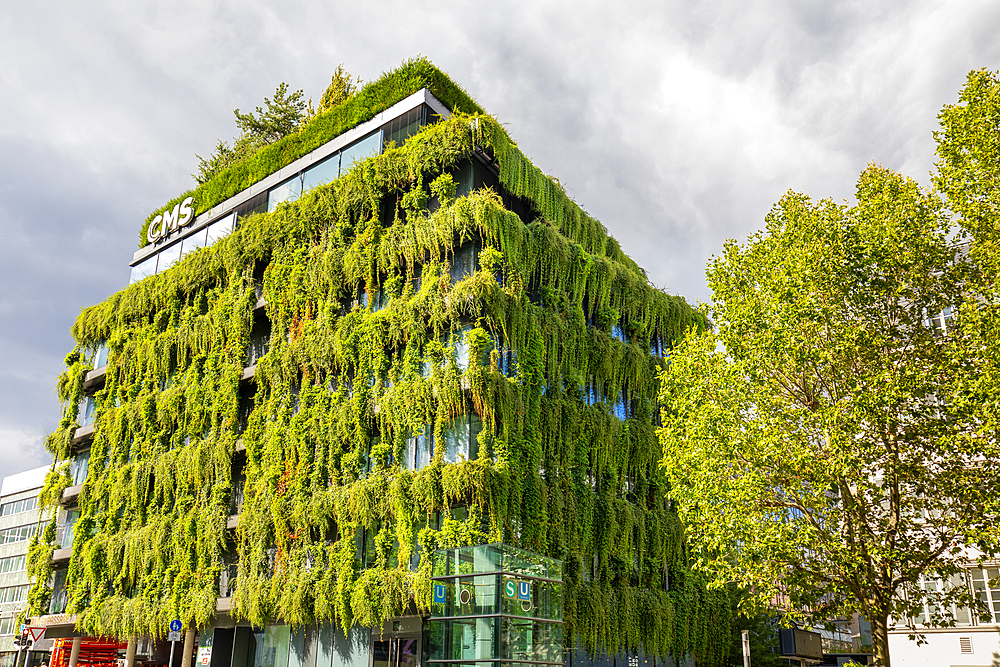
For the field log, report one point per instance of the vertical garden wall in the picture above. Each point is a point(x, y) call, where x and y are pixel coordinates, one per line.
point(430, 370)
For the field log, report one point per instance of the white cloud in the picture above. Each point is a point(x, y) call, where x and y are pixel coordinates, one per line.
point(677, 123)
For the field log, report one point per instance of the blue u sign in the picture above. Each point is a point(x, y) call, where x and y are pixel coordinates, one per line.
point(439, 593)
point(523, 590)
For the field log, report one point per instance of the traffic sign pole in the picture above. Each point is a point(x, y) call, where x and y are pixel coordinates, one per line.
point(174, 635)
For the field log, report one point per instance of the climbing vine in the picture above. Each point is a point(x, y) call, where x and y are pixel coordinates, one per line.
point(553, 340)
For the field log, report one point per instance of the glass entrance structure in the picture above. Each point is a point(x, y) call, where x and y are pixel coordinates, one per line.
point(495, 605)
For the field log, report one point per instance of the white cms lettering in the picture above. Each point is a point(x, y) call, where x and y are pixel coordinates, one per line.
point(180, 215)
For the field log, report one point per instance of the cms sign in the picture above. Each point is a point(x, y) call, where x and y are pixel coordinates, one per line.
point(182, 214)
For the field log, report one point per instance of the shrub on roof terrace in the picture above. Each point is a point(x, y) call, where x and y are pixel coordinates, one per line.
point(390, 88)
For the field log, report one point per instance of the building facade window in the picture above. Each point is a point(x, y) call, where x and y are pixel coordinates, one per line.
point(79, 467)
point(18, 533)
point(18, 506)
point(13, 564)
point(14, 593)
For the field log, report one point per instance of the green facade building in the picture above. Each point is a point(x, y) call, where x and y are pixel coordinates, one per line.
point(359, 383)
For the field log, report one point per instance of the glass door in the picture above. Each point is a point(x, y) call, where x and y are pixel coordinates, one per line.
point(396, 651)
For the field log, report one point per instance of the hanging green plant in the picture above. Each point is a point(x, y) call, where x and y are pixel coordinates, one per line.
point(379, 351)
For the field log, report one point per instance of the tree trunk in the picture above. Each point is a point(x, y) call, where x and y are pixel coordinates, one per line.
point(880, 639)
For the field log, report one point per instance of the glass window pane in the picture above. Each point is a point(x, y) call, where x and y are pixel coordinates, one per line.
point(424, 448)
point(79, 467)
point(476, 428)
point(88, 411)
point(168, 257)
point(962, 616)
point(71, 517)
point(287, 191)
point(322, 173)
point(461, 348)
point(370, 145)
point(272, 646)
point(220, 228)
point(531, 640)
point(143, 269)
point(463, 263)
point(380, 652)
point(456, 439)
point(195, 241)
point(409, 453)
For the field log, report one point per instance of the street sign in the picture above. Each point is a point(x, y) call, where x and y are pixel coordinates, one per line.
point(523, 590)
point(36, 633)
point(173, 636)
point(175, 625)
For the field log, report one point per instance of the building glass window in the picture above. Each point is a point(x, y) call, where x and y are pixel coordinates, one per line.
point(961, 615)
point(399, 129)
point(985, 588)
point(942, 322)
point(461, 347)
point(101, 355)
point(13, 564)
point(59, 595)
point(168, 257)
point(18, 533)
point(461, 438)
point(68, 528)
point(463, 263)
point(14, 594)
point(379, 299)
point(320, 174)
point(260, 340)
point(419, 449)
point(482, 614)
point(290, 190)
point(143, 269)
point(220, 228)
point(194, 241)
point(7, 625)
point(78, 468)
point(88, 411)
point(18, 506)
point(252, 206)
point(360, 150)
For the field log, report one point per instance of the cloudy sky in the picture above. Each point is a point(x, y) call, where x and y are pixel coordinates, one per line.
point(677, 123)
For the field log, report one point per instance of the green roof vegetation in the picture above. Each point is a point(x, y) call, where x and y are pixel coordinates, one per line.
point(358, 107)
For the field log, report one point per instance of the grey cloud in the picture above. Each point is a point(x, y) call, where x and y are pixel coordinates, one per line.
point(677, 123)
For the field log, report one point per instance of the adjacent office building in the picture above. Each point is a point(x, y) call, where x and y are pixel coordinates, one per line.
point(381, 394)
point(20, 520)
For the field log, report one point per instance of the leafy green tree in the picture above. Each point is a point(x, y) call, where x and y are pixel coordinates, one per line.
point(822, 442)
point(967, 174)
point(342, 87)
point(280, 116)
